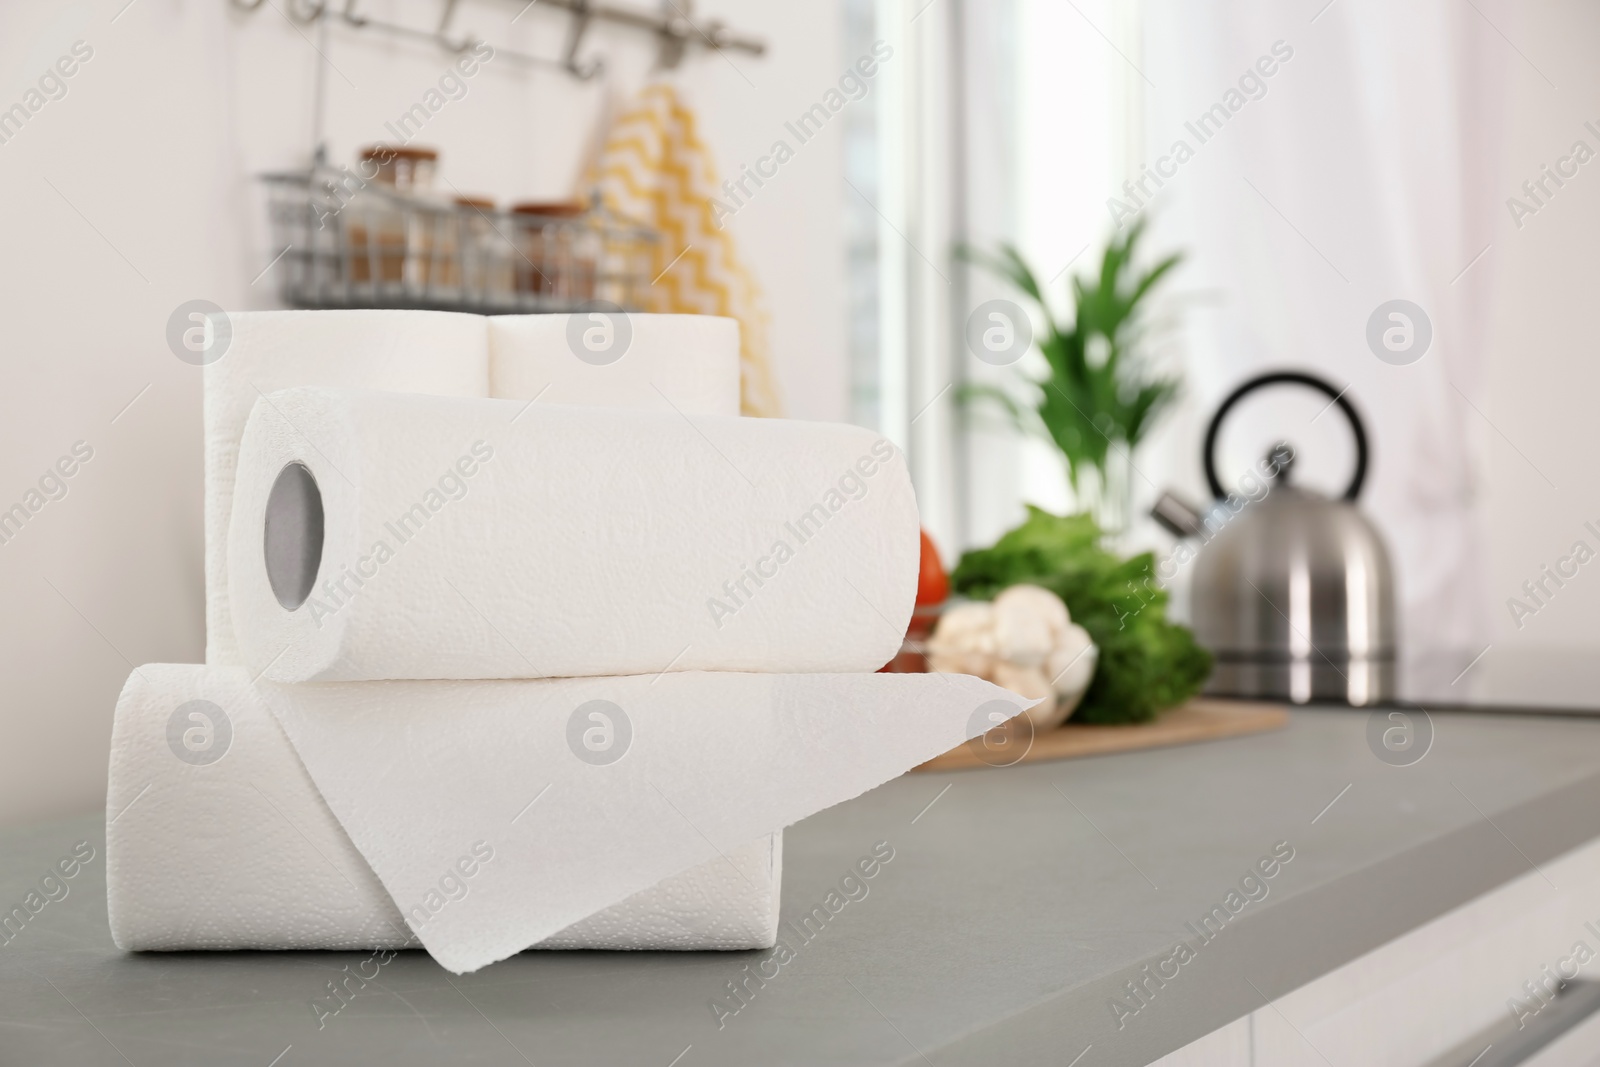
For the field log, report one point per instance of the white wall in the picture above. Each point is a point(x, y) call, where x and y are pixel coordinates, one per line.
point(135, 193)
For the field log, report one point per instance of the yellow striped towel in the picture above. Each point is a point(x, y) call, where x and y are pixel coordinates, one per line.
point(655, 170)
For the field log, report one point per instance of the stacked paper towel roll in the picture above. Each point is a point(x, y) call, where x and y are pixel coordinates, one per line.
point(467, 539)
point(430, 569)
point(666, 362)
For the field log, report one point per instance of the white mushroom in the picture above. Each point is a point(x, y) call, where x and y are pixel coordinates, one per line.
point(1072, 662)
point(1026, 642)
point(1028, 623)
point(963, 641)
point(1025, 681)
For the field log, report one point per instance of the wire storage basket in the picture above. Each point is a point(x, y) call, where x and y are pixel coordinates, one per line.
point(350, 243)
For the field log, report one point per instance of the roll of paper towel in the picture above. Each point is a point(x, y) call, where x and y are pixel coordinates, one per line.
point(382, 536)
point(216, 838)
point(688, 363)
point(403, 351)
point(590, 789)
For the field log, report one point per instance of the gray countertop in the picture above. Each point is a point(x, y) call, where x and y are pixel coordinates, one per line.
point(1015, 907)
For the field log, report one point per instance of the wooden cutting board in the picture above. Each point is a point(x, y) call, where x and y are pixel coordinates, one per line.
point(1201, 719)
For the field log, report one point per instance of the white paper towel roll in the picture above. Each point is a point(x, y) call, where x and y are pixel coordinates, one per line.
point(494, 539)
point(216, 838)
point(589, 789)
point(624, 359)
point(403, 351)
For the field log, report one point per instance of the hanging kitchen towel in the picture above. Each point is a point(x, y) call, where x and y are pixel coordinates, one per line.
point(384, 535)
point(216, 838)
point(253, 353)
point(655, 170)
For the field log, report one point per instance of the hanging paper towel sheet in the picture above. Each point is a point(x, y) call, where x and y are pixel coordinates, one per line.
point(216, 838)
point(591, 789)
point(452, 538)
point(498, 815)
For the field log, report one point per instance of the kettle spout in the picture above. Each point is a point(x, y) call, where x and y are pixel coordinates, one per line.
point(1177, 515)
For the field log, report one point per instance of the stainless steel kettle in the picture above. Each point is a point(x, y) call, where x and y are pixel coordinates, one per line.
point(1292, 591)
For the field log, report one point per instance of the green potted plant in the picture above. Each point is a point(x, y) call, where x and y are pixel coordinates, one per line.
point(1099, 397)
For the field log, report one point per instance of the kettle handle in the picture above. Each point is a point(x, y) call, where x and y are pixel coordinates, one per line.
point(1357, 430)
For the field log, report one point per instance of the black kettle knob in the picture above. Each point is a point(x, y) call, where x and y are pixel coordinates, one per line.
point(1278, 461)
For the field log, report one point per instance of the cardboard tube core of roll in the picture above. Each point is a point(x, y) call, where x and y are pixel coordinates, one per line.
point(292, 542)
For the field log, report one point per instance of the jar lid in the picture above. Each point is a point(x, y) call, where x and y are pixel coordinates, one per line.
point(557, 208)
point(482, 203)
point(384, 152)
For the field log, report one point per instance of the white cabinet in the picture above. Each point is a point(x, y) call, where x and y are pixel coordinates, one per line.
point(1418, 997)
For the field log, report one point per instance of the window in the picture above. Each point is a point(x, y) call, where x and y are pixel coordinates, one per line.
point(1007, 121)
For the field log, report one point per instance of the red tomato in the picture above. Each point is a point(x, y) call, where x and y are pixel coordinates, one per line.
point(933, 584)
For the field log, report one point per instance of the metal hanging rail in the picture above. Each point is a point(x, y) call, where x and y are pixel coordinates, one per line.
point(676, 31)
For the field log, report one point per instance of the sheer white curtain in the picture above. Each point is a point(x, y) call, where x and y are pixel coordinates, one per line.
point(1356, 174)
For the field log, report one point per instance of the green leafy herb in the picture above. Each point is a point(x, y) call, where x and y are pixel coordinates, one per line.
point(1147, 664)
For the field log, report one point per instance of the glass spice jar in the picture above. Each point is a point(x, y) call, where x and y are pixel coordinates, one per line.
point(485, 252)
point(551, 255)
point(389, 242)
